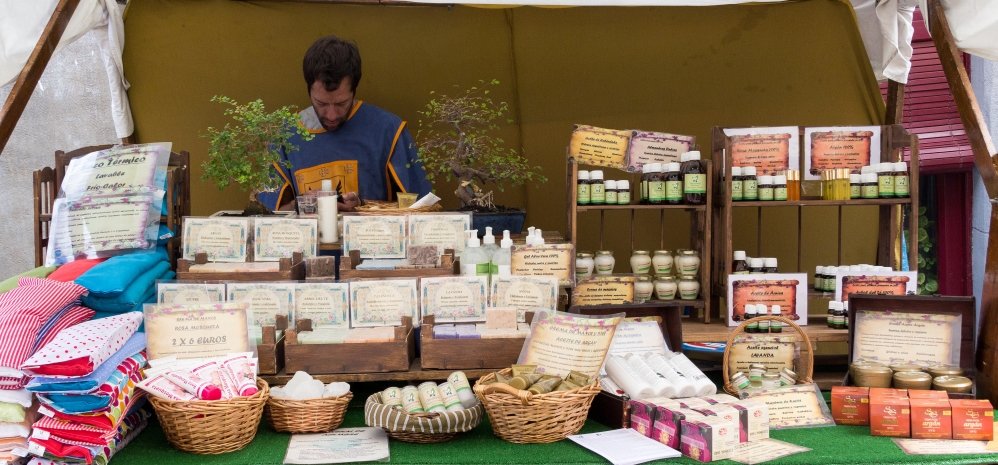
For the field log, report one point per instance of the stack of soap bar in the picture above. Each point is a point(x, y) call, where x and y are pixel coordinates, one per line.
point(323, 336)
point(380, 264)
point(500, 318)
point(376, 334)
point(444, 332)
point(466, 331)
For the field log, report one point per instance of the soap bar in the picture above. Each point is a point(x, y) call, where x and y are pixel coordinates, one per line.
point(466, 331)
point(319, 267)
point(423, 255)
point(444, 332)
point(500, 318)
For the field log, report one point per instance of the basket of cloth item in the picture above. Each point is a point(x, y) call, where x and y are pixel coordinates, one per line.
point(306, 405)
point(420, 428)
point(522, 417)
point(381, 207)
point(211, 426)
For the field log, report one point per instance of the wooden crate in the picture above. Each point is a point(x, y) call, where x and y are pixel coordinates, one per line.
point(290, 269)
point(962, 306)
point(348, 268)
point(466, 354)
point(371, 357)
point(270, 351)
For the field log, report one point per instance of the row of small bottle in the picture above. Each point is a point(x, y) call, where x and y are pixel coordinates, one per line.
point(880, 181)
point(746, 186)
point(482, 257)
point(593, 190)
point(686, 263)
point(763, 326)
point(838, 315)
point(683, 183)
point(824, 276)
point(742, 264)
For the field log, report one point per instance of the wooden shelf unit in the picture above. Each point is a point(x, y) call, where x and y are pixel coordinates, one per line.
point(894, 141)
point(700, 230)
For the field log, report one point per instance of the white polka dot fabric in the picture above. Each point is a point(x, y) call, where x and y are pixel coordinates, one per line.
point(79, 350)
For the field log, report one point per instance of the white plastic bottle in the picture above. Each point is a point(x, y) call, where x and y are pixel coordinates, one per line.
point(503, 257)
point(490, 248)
point(474, 262)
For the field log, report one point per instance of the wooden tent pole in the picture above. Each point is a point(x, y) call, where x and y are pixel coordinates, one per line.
point(33, 69)
point(895, 102)
point(984, 159)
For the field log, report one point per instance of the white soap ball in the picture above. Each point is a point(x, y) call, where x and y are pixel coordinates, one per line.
point(336, 389)
point(277, 392)
point(300, 379)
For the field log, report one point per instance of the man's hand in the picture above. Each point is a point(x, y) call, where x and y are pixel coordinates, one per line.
point(349, 201)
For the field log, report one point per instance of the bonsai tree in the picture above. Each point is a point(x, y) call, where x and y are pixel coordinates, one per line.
point(457, 139)
point(246, 151)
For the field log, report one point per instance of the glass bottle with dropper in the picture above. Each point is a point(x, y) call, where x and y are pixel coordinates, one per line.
point(582, 188)
point(750, 184)
point(673, 185)
point(694, 179)
point(597, 190)
point(656, 184)
point(737, 184)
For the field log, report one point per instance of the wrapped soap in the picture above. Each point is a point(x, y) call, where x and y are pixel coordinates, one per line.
point(423, 255)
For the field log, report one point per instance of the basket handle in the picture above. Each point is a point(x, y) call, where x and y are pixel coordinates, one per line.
point(507, 389)
point(805, 346)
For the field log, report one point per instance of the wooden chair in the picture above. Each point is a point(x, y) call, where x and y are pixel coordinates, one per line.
point(177, 197)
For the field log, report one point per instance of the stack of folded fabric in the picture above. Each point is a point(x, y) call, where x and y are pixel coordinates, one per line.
point(16, 416)
point(85, 380)
point(124, 283)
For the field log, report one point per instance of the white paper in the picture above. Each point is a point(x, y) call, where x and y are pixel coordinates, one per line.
point(764, 450)
point(426, 201)
point(624, 446)
point(341, 446)
point(942, 446)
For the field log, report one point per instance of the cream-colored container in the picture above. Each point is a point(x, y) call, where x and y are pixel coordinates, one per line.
point(689, 288)
point(666, 288)
point(662, 262)
point(643, 289)
point(945, 370)
point(604, 262)
point(640, 262)
point(912, 380)
point(687, 263)
point(953, 384)
point(584, 265)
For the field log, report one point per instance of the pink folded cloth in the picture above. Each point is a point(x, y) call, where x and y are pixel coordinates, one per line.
point(23, 312)
point(78, 350)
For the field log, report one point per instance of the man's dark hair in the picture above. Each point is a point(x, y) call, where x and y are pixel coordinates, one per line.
point(329, 60)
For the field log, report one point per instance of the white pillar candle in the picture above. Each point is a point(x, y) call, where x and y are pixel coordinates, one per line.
point(684, 386)
point(662, 387)
point(328, 231)
point(704, 385)
point(624, 376)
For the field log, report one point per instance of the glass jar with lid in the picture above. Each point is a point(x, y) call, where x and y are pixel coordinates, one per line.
point(640, 262)
point(688, 263)
point(604, 262)
point(666, 288)
point(643, 289)
point(662, 262)
point(689, 288)
point(584, 265)
point(770, 380)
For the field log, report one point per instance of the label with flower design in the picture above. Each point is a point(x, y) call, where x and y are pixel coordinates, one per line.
point(277, 238)
point(382, 302)
point(562, 342)
point(265, 300)
point(374, 236)
point(190, 293)
point(525, 293)
point(453, 299)
point(925, 339)
point(326, 304)
point(94, 224)
point(222, 239)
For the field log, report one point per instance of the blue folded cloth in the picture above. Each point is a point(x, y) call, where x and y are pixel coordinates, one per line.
point(87, 384)
point(135, 293)
point(112, 277)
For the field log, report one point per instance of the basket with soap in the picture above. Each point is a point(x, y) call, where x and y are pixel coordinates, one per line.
point(425, 414)
point(306, 405)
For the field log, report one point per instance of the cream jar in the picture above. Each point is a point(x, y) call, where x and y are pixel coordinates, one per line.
point(604, 262)
point(688, 263)
point(770, 380)
point(945, 370)
point(912, 380)
point(640, 262)
point(662, 262)
point(643, 289)
point(666, 287)
point(689, 288)
point(866, 374)
point(953, 384)
point(584, 265)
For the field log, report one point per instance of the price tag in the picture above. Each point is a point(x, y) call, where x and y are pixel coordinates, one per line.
point(19, 451)
point(36, 449)
point(40, 434)
point(46, 411)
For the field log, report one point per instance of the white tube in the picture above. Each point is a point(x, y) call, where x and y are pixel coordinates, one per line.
point(662, 387)
point(683, 385)
point(327, 219)
point(704, 385)
point(624, 376)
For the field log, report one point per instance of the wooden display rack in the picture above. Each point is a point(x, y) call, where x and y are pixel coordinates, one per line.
point(895, 143)
point(289, 269)
point(700, 237)
point(270, 350)
point(448, 267)
point(460, 354)
point(368, 357)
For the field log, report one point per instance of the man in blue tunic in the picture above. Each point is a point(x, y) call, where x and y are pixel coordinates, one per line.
point(360, 147)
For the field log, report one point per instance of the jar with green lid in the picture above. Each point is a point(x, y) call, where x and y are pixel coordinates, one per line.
point(643, 288)
point(740, 381)
point(666, 288)
point(662, 262)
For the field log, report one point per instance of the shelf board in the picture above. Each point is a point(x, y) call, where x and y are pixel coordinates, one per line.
point(813, 294)
point(696, 331)
point(819, 202)
point(586, 208)
point(698, 303)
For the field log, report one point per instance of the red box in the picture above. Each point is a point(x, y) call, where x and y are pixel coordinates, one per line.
point(890, 416)
point(931, 418)
point(926, 394)
point(972, 419)
point(728, 413)
point(642, 416)
point(709, 438)
point(851, 405)
point(667, 426)
point(887, 392)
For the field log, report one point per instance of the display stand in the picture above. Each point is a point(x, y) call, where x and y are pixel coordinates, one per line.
point(289, 269)
point(896, 143)
point(700, 237)
point(270, 350)
point(460, 354)
point(396, 355)
point(448, 267)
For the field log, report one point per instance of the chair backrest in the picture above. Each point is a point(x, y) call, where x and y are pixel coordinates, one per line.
point(47, 182)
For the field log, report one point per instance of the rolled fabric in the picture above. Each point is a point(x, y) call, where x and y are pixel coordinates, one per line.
point(135, 294)
point(627, 379)
point(661, 385)
point(684, 386)
point(704, 385)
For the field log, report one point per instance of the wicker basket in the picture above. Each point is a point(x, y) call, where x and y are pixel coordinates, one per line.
point(307, 416)
point(381, 207)
point(421, 428)
point(804, 365)
point(212, 426)
point(524, 418)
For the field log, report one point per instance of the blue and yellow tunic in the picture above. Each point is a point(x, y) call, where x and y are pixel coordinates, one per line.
point(372, 153)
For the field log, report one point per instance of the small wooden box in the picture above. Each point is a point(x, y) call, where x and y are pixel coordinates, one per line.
point(270, 351)
point(348, 268)
point(371, 357)
point(465, 354)
point(290, 269)
point(962, 306)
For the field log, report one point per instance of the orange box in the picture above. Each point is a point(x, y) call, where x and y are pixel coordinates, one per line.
point(927, 394)
point(890, 416)
point(972, 419)
point(931, 418)
point(851, 405)
point(887, 392)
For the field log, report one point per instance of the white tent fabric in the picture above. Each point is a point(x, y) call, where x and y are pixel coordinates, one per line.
point(974, 24)
point(22, 23)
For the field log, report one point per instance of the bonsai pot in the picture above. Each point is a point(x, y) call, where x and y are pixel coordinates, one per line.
point(499, 221)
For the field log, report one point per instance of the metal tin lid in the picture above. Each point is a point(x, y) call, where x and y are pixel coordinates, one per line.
point(771, 376)
point(912, 376)
point(666, 278)
point(584, 255)
point(906, 367)
point(604, 252)
point(663, 252)
point(952, 382)
point(945, 370)
point(640, 252)
point(870, 367)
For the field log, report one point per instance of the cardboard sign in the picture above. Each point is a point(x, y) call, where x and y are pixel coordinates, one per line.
point(788, 290)
point(840, 147)
point(595, 146)
point(554, 260)
point(604, 290)
point(195, 331)
point(876, 283)
point(375, 236)
point(656, 147)
point(796, 406)
point(900, 337)
point(775, 352)
point(770, 150)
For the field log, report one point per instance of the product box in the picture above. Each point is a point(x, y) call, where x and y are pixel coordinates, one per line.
point(887, 392)
point(931, 418)
point(729, 413)
point(927, 394)
point(642, 416)
point(667, 426)
point(851, 405)
point(972, 419)
point(754, 417)
point(709, 438)
point(719, 399)
point(694, 403)
point(890, 416)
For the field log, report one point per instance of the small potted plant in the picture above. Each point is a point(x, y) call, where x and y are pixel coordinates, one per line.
point(246, 151)
point(457, 138)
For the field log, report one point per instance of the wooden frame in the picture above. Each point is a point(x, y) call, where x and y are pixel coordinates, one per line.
point(289, 269)
point(460, 354)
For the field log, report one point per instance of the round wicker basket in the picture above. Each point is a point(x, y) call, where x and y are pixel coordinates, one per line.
point(421, 428)
point(307, 416)
point(524, 418)
point(804, 365)
point(381, 207)
point(211, 426)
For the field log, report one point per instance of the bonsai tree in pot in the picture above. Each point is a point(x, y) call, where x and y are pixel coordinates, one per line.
point(458, 138)
point(246, 151)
